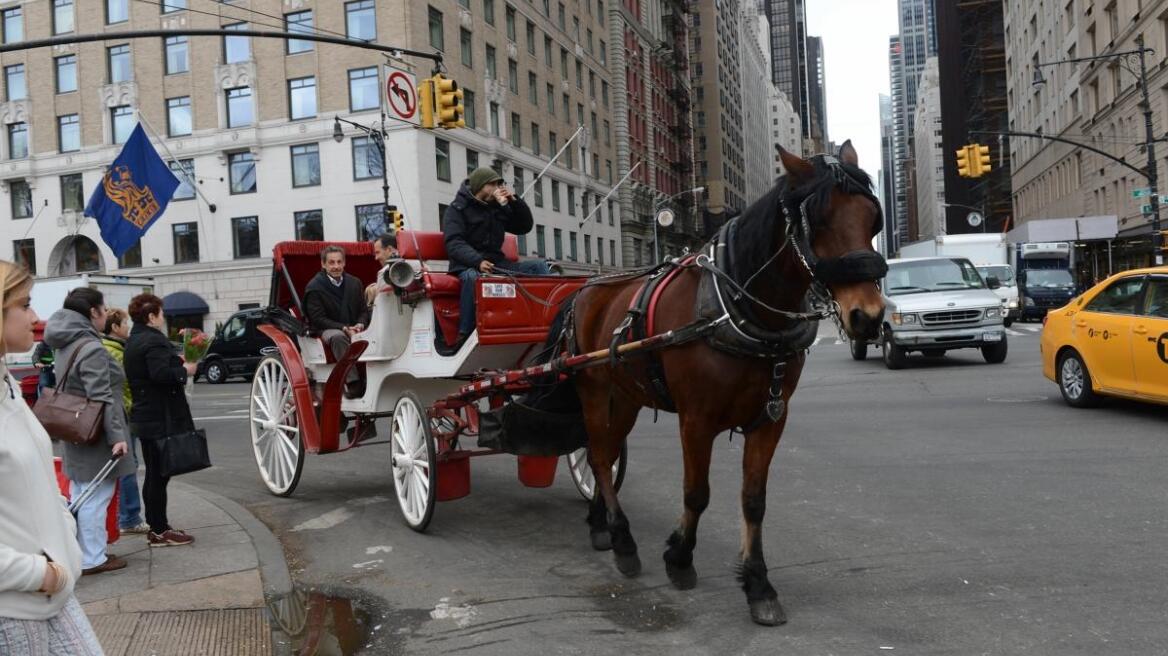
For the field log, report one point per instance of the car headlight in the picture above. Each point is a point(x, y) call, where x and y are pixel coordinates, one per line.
point(993, 313)
point(901, 319)
point(1013, 303)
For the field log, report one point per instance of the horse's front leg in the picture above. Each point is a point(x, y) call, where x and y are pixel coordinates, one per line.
point(697, 441)
point(608, 428)
point(758, 450)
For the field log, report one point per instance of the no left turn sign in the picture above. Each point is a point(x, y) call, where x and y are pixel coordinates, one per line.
point(402, 93)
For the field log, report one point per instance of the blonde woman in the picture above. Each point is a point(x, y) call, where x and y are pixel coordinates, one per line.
point(40, 559)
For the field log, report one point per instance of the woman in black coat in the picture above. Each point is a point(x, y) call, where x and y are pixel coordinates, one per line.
point(157, 378)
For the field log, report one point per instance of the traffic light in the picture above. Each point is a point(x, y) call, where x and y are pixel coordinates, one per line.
point(963, 162)
point(983, 159)
point(1164, 241)
point(426, 102)
point(447, 102)
point(395, 218)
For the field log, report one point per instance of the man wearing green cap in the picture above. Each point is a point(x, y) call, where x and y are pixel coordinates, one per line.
point(475, 224)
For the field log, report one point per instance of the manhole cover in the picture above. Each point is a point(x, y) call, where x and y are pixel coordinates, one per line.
point(1017, 399)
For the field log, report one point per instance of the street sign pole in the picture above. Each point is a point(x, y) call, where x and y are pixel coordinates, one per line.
point(1150, 138)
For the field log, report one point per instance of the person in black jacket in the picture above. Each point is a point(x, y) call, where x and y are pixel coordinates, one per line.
point(157, 378)
point(475, 224)
point(335, 304)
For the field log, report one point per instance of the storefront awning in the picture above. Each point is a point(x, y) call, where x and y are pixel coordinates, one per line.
point(1083, 228)
point(183, 304)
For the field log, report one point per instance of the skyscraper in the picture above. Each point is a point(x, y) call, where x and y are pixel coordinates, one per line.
point(816, 94)
point(887, 169)
point(916, 42)
point(716, 75)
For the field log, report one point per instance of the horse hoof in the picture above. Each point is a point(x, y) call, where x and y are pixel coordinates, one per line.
point(683, 578)
point(628, 564)
point(767, 612)
point(601, 540)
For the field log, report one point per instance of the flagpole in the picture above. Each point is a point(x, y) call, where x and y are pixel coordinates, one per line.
point(610, 193)
point(182, 169)
point(551, 161)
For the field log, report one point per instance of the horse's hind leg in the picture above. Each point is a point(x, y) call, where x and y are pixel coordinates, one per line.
point(697, 442)
point(608, 426)
point(756, 460)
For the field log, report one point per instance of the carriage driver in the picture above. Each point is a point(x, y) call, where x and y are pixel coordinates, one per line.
point(475, 224)
point(335, 304)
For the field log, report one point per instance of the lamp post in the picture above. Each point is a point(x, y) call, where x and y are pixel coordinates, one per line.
point(980, 211)
point(1127, 60)
point(665, 218)
point(377, 135)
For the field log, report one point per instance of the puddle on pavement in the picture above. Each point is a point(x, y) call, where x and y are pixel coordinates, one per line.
point(635, 609)
point(333, 622)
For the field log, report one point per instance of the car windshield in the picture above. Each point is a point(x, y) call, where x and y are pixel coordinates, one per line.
point(931, 276)
point(1049, 278)
point(1004, 273)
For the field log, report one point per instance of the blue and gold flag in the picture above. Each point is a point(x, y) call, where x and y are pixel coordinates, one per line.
point(133, 193)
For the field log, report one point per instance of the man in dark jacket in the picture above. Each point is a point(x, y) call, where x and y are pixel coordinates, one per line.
point(335, 304)
point(475, 224)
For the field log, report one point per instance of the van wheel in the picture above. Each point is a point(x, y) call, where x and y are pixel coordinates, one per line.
point(995, 354)
point(894, 356)
point(859, 349)
point(215, 372)
point(1007, 322)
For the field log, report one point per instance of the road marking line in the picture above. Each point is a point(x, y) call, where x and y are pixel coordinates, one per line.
point(381, 548)
point(1015, 333)
point(368, 565)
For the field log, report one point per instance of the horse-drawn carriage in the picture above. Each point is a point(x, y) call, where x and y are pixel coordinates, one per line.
point(440, 394)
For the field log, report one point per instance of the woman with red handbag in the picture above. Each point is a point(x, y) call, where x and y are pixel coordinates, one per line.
point(89, 371)
point(40, 560)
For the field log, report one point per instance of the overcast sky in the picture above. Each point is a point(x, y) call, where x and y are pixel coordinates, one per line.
point(855, 40)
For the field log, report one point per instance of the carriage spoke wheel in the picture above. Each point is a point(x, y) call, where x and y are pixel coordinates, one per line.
point(583, 477)
point(275, 428)
point(413, 460)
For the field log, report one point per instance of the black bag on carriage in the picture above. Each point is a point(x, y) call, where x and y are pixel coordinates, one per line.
point(548, 421)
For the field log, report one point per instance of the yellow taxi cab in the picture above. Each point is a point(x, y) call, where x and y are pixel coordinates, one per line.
point(1112, 340)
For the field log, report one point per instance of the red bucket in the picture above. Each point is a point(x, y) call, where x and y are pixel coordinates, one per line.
point(453, 479)
point(537, 471)
point(111, 516)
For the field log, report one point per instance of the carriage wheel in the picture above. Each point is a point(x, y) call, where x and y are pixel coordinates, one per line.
point(582, 474)
point(414, 467)
point(275, 429)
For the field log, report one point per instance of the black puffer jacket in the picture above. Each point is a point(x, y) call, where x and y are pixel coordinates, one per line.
point(474, 230)
point(157, 379)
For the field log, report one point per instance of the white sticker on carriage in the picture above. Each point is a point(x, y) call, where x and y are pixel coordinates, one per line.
point(498, 290)
point(423, 342)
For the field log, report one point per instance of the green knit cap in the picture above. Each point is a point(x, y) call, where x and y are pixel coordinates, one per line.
point(482, 176)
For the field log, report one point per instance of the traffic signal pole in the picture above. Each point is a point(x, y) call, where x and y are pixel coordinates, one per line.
point(1153, 174)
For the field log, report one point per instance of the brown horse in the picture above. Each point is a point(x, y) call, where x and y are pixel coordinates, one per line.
point(815, 226)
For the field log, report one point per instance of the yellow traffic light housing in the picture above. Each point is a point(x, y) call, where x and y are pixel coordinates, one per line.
point(395, 218)
point(983, 159)
point(426, 102)
point(963, 163)
point(448, 108)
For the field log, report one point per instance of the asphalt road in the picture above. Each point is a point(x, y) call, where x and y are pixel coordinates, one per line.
point(950, 508)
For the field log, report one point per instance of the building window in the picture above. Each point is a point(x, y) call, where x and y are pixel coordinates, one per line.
point(540, 241)
point(245, 236)
point(538, 192)
point(551, 100)
point(468, 109)
point(494, 118)
point(571, 200)
point(302, 98)
point(611, 214)
point(587, 249)
point(305, 165)
point(560, 18)
point(239, 107)
point(15, 83)
point(69, 133)
point(579, 74)
point(66, 73)
point(118, 58)
point(169, 6)
point(371, 222)
point(177, 55)
point(361, 20)
point(117, 11)
point(178, 116)
point(519, 183)
point(558, 243)
point(243, 173)
point(509, 18)
point(21, 199)
point(572, 245)
point(521, 241)
point(535, 138)
point(437, 38)
point(24, 252)
point(299, 22)
point(62, 16)
point(184, 170)
point(309, 225)
point(13, 25)
point(531, 38)
point(489, 11)
point(442, 207)
point(532, 89)
point(366, 159)
point(186, 242)
point(513, 76)
point(612, 253)
point(442, 159)
point(603, 53)
point(472, 161)
point(604, 92)
point(638, 260)
point(555, 195)
point(547, 51)
point(236, 48)
point(466, 47)
point(516, 133)
point(72, 192)
point(492, 71)
point(364, 89)
point(122, 122)
point(132, 258)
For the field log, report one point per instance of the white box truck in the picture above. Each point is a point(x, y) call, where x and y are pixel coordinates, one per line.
point(989, 253)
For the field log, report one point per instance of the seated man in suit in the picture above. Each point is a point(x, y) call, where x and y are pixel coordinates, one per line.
point(475, 224)
point(334, 303)
point(384, 250)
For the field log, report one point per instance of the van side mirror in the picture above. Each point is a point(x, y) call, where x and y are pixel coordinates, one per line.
point(992, 282)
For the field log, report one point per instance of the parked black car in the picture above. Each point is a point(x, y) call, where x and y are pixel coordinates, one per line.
point(236, 349)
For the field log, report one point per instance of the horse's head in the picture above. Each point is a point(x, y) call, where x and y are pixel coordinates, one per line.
point(835, 217)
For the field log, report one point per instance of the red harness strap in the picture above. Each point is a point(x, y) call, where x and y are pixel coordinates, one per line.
point(641, 324)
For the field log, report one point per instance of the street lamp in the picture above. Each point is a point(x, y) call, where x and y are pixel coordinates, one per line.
point(377, 136)
point(665, 217)
point(1127, 60)
point(976, 216)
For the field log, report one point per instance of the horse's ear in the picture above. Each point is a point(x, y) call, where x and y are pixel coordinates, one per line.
point(795, 166)
point(847, 154)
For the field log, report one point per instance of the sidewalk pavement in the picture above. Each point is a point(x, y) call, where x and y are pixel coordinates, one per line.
point(207, 598)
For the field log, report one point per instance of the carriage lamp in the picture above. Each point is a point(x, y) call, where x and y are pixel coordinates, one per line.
point(900, 319)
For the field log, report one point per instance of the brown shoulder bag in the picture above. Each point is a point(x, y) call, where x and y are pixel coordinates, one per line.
point(69, 417)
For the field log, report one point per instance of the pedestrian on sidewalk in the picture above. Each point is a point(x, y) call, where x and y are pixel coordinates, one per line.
point(88, 370)
point(117, 331)
point(42, 361)
point(157, 381)
point(40, 560)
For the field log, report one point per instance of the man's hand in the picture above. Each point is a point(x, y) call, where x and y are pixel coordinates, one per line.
point(486, 266)
point(37, 365)
point(120, 449)
point(503, 195)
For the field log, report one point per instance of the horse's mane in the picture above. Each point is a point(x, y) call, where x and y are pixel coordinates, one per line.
point(755, 242)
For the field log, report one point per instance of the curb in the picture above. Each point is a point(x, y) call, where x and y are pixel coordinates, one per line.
point(270, 554)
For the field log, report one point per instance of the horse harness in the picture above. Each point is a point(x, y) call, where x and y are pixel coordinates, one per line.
point(725, 318)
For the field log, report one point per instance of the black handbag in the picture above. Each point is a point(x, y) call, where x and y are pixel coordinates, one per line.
point(182, 452)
